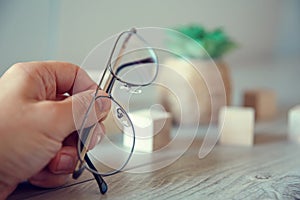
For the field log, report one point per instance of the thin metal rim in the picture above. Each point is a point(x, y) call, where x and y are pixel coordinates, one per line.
point(150, 49)
point(112, 172)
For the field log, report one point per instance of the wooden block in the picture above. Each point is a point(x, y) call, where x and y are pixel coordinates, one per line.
point(236, 126)
point(263, 101)
point(294, 124)
point(152, 130)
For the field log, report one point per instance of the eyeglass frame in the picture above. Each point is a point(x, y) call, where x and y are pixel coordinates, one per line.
point(107, 85)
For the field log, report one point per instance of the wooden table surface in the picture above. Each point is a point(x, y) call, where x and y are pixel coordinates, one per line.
point(268, 170)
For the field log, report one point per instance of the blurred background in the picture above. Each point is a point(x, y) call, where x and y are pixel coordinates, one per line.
point(267, 33)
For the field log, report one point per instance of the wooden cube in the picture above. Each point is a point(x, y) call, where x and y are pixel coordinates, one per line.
point(294, 124)
point(152, 130)
point(236, 126)
point(263, 101)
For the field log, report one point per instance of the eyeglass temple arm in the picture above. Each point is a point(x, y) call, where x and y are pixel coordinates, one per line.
point(84, 142)
point(100, 181)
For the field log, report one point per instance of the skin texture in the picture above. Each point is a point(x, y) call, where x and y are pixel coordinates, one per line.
point(38, 122)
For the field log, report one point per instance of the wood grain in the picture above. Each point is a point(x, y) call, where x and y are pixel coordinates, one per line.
point(269, 170)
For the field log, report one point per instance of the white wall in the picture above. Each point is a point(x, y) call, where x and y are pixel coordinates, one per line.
point(25, 31)
point(252, 24)
point(68, 29)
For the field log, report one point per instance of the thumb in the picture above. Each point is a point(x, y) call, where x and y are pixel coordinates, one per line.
point(68, 115)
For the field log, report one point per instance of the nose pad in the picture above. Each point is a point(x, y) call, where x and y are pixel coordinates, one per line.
point(130, 89)
point(119, 113)
point(122, 117)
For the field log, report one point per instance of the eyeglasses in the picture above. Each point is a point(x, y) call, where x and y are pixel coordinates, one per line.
point(132, 64)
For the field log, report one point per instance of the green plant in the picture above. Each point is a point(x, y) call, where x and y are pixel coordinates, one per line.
point(191, 38)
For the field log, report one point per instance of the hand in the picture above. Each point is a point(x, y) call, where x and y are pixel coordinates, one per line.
point(37, 138)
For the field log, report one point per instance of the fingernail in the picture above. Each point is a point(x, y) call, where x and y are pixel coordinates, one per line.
point(105, 104)
point(66, 164)
point(103, 107)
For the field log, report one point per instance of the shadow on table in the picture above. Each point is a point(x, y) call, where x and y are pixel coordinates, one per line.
point(25, 190)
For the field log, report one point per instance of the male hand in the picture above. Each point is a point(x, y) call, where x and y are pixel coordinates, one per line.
point(37, 126)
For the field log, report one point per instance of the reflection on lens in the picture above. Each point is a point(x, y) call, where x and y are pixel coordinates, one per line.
point(110, 155)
